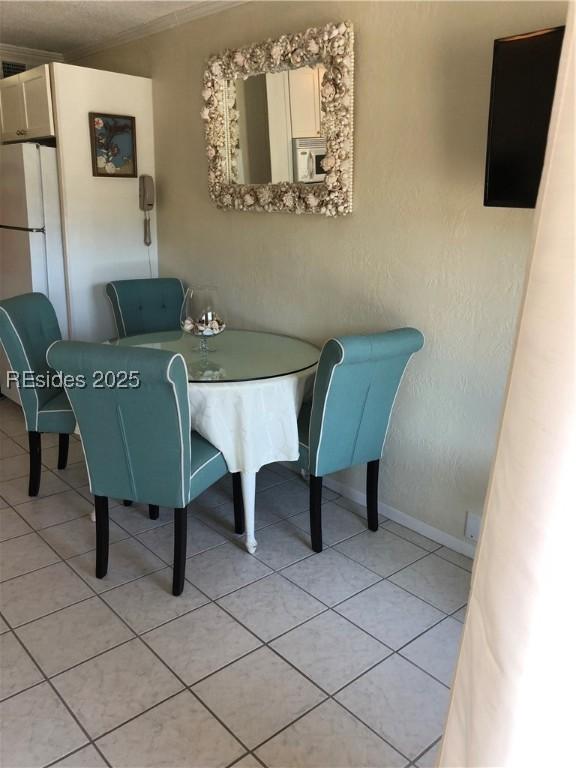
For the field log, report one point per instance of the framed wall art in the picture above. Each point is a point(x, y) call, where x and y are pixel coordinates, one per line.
point(113, 143)
point(285, 107)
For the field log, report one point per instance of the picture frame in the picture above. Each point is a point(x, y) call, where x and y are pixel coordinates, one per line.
point(113, 145)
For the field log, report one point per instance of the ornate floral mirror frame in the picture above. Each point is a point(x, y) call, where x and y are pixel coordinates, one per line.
point(332, 46)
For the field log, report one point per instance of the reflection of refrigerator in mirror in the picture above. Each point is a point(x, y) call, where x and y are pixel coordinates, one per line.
point(279, 126)
point(31, 258)
point(293, 113)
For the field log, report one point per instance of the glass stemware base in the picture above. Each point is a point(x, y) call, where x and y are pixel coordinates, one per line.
point(203, 347)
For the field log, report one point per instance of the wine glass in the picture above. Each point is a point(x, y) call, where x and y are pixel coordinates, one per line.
point(199, 315)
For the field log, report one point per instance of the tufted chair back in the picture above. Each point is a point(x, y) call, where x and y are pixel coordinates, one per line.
point(147, 305)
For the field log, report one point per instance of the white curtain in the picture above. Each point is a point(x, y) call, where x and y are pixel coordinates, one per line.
point(513, 696)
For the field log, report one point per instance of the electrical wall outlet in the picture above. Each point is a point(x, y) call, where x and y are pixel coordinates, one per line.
point(472, 530)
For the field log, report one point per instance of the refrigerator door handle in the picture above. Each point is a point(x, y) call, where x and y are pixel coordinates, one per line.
point(24, 229)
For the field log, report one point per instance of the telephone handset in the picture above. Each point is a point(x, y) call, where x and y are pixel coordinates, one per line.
point(146, 204)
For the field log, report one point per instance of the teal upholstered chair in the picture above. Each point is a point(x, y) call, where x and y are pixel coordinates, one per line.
point(346, 422)
point(137, 439)
point(28, 325)
point(147, 305)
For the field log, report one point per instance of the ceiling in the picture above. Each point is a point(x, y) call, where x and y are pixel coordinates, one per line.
point(63, 27)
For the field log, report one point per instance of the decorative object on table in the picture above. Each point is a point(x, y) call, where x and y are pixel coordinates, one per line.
point(347, 421)
point(330, 51)
point(28, 326)
point(200, 315)
point(146, 305)
point(212, 372)
point(138, 440)
point(113, 142)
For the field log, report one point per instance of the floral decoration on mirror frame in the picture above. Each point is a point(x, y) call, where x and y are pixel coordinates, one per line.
point(331, 45)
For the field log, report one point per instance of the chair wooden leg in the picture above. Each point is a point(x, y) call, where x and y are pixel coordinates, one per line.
point(238, 503)
point(35, 447)
point(372, 469)
point(63, 445)
point(127, 503)
point(179, 568)
point(101, 509)
point(316, 512)
point(153, 511)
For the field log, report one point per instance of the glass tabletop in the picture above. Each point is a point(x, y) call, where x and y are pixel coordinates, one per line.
point(235, 355)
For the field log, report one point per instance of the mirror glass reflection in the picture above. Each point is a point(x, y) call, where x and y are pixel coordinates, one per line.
point(274, 122)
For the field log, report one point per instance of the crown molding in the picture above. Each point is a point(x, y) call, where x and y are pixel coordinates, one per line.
point(195, 11)
point(28, 55)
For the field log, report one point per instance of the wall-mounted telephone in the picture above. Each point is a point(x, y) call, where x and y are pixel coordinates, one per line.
point(146, 204)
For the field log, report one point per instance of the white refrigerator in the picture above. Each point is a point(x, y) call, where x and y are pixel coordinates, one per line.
point(31, 254)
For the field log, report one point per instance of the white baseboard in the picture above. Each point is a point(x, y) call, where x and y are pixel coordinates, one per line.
point(446, 539)
point(441, 537)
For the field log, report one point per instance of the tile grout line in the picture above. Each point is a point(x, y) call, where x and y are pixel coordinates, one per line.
point(61, 699)
point(426, 601)
point(46, 528)
point(37, 667)
point(427, 749)
point(413, 663)
point(456, 565)
point(45, 495)
point(393, 573)
point(76, 752)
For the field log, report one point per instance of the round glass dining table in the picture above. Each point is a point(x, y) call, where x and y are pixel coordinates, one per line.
point(245, 395)
point(233, 355)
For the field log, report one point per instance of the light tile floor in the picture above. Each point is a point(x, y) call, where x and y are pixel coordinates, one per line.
point(282, 659)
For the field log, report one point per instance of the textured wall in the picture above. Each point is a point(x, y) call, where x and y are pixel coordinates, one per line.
point(419, 249)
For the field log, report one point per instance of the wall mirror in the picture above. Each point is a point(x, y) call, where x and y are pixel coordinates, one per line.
point(279, 123)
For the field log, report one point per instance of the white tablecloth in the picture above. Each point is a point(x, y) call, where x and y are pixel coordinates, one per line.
point(253, 423)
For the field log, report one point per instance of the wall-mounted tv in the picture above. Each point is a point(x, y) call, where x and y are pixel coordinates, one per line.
point(524, 70)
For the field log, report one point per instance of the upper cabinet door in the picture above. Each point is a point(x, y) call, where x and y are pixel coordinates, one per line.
point(12, 116)
point(35, 86)
point(26, 106)
point(304, 102)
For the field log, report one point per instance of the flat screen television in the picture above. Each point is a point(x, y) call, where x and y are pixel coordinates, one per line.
point(524, 70)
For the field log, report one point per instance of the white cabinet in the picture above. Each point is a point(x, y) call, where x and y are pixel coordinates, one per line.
point(35, 86)
point(305, 101)
point(12, 115)
point(26, 106)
